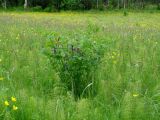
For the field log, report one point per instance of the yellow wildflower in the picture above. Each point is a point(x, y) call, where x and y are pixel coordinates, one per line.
point(13, 99)
point(15, 107)
point(6, 103)
point(135, 95)
point(1, 78)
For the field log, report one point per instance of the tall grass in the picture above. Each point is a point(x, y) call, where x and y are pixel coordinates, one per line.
point(127, 76)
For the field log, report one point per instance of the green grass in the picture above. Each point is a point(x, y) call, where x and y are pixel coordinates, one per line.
point(128, 76)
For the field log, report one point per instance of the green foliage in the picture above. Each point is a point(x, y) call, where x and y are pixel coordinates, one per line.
point(71, 4)
point(75, 61)
point(125, 13)
point(151, 7)
point(87, 4)
point(37, 9)
point(125, 76)
point(84, 4)
point(158, 6)
point(48, 9)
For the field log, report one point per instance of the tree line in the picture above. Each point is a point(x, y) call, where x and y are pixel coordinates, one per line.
point(79, 4)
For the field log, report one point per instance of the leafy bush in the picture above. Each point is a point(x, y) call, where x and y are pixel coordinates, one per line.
point(71, 4)
point(48, 9)
point(87, 4)
point(158, 7)
point(37, 9)
point(150, 7)
point(75, 61)
point(101, 8)
point(125, 13)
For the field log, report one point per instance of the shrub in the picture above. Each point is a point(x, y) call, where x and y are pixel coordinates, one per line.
point(76, 62)
point(71, 4)
point(37, 9)
point(150, 7)
point(87, 4)
point(125, 13)
point(48, 9)
point(158, 7)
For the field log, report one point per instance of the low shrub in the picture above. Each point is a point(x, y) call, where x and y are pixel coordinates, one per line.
point(48, 9)
point(37, 9)
point(76, 62)
point(125, 13)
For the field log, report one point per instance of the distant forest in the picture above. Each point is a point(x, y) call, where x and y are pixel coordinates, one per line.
point(79, 4)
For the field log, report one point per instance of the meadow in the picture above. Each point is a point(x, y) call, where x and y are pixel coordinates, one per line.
point(119, 79)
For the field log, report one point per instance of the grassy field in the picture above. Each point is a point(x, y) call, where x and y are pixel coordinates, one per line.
point(127, 77)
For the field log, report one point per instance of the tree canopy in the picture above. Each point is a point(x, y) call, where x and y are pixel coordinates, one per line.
point(80, 4)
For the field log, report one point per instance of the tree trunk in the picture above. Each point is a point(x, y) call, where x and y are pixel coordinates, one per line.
point(118, 4)
point(124, 4)
point(25, 4)
point(142, 4)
